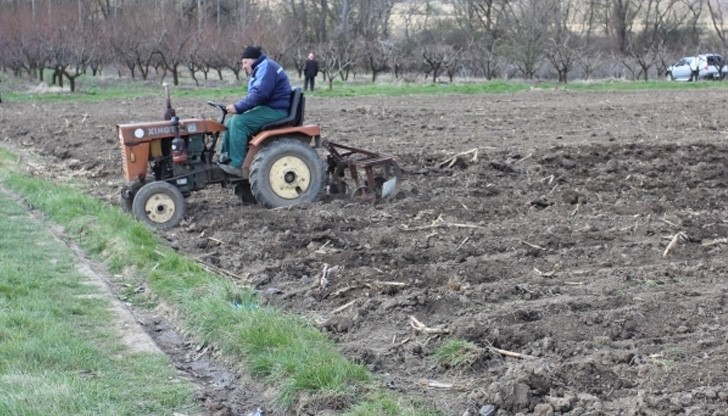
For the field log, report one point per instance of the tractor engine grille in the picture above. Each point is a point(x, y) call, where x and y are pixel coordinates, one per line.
point(124, 158)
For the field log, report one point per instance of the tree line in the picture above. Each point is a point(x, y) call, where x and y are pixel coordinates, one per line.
point(434, 40)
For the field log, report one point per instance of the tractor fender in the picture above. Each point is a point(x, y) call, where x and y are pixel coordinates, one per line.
point(303, 133)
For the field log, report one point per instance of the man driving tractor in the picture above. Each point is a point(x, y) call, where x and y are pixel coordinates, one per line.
point(268, 99)
point(164, 161)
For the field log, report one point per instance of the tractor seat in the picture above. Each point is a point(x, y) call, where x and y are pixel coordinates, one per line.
point(295, 113)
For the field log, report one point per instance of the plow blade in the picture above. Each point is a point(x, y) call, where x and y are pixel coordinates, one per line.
point(375, 176)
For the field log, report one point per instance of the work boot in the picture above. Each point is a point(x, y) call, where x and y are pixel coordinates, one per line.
point(232, 170)
point(223, 159)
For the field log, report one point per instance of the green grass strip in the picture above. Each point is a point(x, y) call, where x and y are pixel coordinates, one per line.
point(284, 350)
point(93, 89)
point(59, 352)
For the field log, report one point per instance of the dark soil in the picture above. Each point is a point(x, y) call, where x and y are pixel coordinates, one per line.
point(553, 243)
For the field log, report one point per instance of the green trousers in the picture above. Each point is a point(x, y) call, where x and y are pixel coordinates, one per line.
point(241, 127)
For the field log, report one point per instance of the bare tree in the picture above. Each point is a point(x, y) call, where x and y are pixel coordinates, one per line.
point(621, 19)
point(193, 56)
point(24, 47)
point(173, 50)
point(442, 51)
point(371, 19)
point(563, 53)
point(309, 20)
point(563, 45)
point(693, 24)
point(527, 32)
point(69, 51)
point(717, 10)
point(483, 21)
point(103, 54)
point(336, 59)
point(377, 55)
point(134, 40)
point(470, 37)
point(403, 59)
point(589, 61)
point(658, 18)
point(415, 16)
point(213, 53)
point(435, 56)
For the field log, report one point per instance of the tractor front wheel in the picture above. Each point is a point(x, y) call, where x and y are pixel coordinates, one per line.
point(159, 204)
point(125, 203)
point(286, 172)
point(243, 191)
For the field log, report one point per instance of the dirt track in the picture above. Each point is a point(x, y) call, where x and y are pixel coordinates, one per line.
point(554, 243)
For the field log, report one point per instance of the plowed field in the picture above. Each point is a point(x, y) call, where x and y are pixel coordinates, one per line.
point(579, 241)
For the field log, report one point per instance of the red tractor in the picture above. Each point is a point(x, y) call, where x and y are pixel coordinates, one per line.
point(165, 161)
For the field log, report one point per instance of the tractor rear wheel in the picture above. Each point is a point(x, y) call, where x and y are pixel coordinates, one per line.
point(286, 172)
point(159, 204)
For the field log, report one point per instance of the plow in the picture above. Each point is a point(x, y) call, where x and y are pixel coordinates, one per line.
point(165, 161)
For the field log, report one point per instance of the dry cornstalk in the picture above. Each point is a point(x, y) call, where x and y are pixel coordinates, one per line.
point(668, 222)
point(510, 353)
point(420, 327)
point(545, 274)
point(342, 307)
point(344, 290)
point(549, 179)
point(381, 283)
point(434, 384)
point(404, 341)
point(461, 244)
point(524, 158)
point(679, 236)
point(200, 354)
point(395, 346)
point(327, 272)
point(578, 205)
point(524, 287)
point(439, 223)
point(321, 249)
point(507, 353)
point(214, 269)
point(533, 245)
point(450, 162)
point(715, 242)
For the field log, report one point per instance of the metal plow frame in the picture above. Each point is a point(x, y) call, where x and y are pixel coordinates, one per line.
point(382, 174)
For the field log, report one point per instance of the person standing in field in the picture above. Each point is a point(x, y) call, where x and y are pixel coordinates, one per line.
point(310, 70)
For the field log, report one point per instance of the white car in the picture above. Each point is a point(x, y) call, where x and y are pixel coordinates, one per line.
point(693, 68)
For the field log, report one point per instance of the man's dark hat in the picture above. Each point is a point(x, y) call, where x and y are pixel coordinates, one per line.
point(251, 52)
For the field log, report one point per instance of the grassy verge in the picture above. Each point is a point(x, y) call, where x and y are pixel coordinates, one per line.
point(284, 350)
point(59, 352)
point(90, 89)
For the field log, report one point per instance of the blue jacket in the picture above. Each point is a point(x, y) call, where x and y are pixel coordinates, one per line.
point(268, 86)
